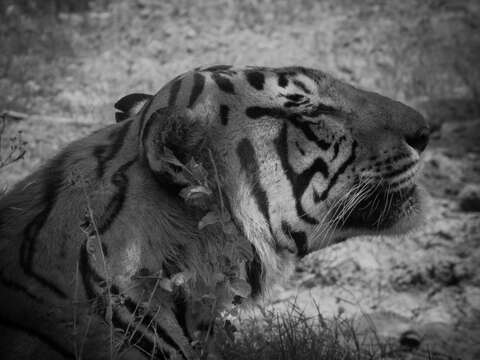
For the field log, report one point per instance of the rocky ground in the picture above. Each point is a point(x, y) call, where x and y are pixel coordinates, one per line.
point(65, 75)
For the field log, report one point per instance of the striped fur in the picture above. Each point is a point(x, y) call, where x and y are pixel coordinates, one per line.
point(304, 161)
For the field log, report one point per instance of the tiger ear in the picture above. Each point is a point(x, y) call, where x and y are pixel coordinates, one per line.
point(130, 105)
point(170, 138)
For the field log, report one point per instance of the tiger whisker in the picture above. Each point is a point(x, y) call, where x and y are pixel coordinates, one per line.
point(373, 205)
point(390, 202)
point(320, 228)
point(362, 191)
point(346, 210)
point(339, 210)
point(378, 221)
point(386, 208)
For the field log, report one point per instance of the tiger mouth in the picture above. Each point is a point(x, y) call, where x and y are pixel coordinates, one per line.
point(383, 210)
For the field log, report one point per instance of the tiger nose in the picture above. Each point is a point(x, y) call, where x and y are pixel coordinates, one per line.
point(419, 139)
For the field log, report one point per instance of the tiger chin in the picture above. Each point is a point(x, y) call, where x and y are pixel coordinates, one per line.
point(300, 161)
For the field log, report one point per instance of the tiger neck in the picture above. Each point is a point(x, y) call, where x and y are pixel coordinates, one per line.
point(266, 266)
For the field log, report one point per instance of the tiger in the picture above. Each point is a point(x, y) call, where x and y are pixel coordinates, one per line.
point(302, 161)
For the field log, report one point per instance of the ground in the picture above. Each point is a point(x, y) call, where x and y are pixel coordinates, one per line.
point(64, 71)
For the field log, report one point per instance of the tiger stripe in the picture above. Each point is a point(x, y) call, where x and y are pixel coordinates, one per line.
point(198, 84)
point(256, 79)
point(120, 180)
point(282, 80)
point(302, 86)
point(299, 237)
point(224, 112)
point(248, 162)
point(336, 147)
point(180, 312)
point(402, 170)
point(255, 274)
point(339, 172)
point(19, 287)
point(223, 83)
point(105, 153)
point(297, 182)
point(256, 112)
point(31, 233)
point(304, 126)
point(173, 93)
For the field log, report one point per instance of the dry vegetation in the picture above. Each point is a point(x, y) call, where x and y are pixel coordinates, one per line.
point(65, 64)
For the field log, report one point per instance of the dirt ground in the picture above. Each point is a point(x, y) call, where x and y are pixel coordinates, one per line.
point(65, 75)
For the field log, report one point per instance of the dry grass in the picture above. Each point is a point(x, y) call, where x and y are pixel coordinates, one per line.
point(13, 151)
point(292, 335)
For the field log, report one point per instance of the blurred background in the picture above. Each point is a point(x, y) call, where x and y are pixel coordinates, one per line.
point(63, 63)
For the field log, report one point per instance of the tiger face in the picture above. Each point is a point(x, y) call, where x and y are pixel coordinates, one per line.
point(307, 160)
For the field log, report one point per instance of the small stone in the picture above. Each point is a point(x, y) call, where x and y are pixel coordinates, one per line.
point(469, 198)
point(309, 283)
point(410, 339)
point(403, 277)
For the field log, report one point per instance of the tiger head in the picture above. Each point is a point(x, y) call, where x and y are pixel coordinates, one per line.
point(305, 160)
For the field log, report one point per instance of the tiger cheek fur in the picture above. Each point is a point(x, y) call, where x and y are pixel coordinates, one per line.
point(303, 160)
point(286, 172)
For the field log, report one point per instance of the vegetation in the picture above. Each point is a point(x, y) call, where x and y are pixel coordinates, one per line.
point(292, 335)
point(15, 150)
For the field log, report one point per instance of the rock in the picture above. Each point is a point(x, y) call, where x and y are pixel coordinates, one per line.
point(469, 198)
point(410, 339)
point(404, 277)
point(444, 272)
point(383, 325)
point(472, 296)
point(442, 173)
point(436, 337)
point(438, 313)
